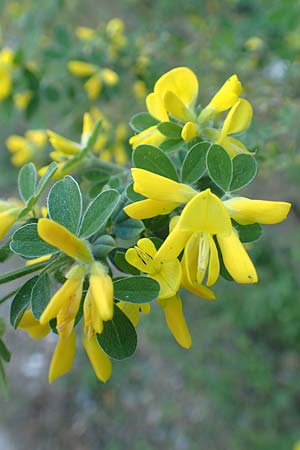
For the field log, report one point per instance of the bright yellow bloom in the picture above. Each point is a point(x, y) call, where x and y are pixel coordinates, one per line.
point(96, 76)
point(27, 148)
point(65, 303)
point(167, 274)
point(63, 357)
point(238, 119)
point(9, 211)
point(57, 235)
point(85, 33)
point(172, 308)
point(6, 68)
point(33, 326)
point(163, 194)
point(101, 287)
point(99, 360)
point(254, 43)
point(189, 131)
point(22, 99)
point(227, 95)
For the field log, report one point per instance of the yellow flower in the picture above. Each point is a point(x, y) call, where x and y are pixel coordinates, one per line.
point(33, 327)
point(172, 308)
point(57, 235)
point(6, 68)
point(27, 148)
point(65, 303)
point(99, 360)
point(254, 43)
point(21, 99)
point(163, 195)
point(101, 287)
point(85, 33)
point(63, 357)
point(238, 119)
point(9, 211)
point(139, 89)
point(133, 310)
point(96, 76)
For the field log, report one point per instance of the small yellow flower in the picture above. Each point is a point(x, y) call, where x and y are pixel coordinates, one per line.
point(254, 43)
point(139, 89)
point(101, 287)
point(163, 195)
point(9, 211)
point(33, 327)
point(85, 33)
point(22, 99)
point(6, 69)
point(26, 148)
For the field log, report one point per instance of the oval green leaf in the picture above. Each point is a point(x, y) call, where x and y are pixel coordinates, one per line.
point(65, 203)
point(194, 164)
point(118, 338)
point(27, 181)
point(21, 302)
point(244, 171)
point(139, 289)
point(141, 121)
point(151, 158)
point(27, 243)
point(98, 212)
point(219, 166)
point(40, 295)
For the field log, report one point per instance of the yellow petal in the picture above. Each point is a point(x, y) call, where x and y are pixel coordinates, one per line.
point(68, 291)
point(227, 95)
point(110, 77)
point(205, 213)
point(239, 118)
point(6, 221)
point(246, 211)
point(81, 68)
point(160, 188)
point(149, 136)
point(176, 321)
point(99, 360)
point(63, 357)
point(173, 245)
point(147, 246)
point(145, 209)
point(236, 259)
point(132, 257)
point(55, 234)
point(38, 137)
point(169, 278)
point(189, 131)
point(233, 146)
point(196, 288)
point(85, 33)
point(131, 310)
point(156, 107)
point(88, 126)
point(176, 107)
point(182, 82)
point(33, 326)
point(102, 289)
point(69, 308)
point(214, 263)
point(63, 145)
point(93, 87)
point(37, 260)
point(16, 143)
point(5, 83)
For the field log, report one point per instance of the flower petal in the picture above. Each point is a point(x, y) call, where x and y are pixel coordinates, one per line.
point(169, 278)
point(246, 211)
point(149, 136)
point(182, 82)
point(33, 326)
point(57, 235)
point(173, 245)
point(205, 213)
point(156, 107)
point(81, 68)
point(239, 118)
point(157, 187)
point(100, 362)
point(236, 259)
point(145, 209)
point(63, 357)
point(176, 321)
point(227, 95)
point(176, 107)
point(214, 263)
point(189, 131)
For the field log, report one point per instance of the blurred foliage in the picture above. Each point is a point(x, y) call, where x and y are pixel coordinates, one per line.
point(245, 359)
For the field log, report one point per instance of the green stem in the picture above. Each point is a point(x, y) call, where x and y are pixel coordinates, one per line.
point(18, 273)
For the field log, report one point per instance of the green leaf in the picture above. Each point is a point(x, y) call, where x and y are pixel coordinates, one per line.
point(4, 352)
point(94, 134)
point(139, 289)
point(151, 158)
point(170, 145)
point(44, 180)
point(40, 295)
point(27, 181)
point(21, 302)
point(194, 164)
point(127, 228)
point(219, 166)
point(98, 212)
point(141, 121)
point(244, 171)
point(170, 129)
point(118, 338)
point(65, 203)
point(96, 175)
point(5, 252)
point(248, 233)
point(27, 243)
point(118, 259)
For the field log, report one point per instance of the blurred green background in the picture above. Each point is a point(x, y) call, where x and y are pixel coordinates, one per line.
point(238, 387)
